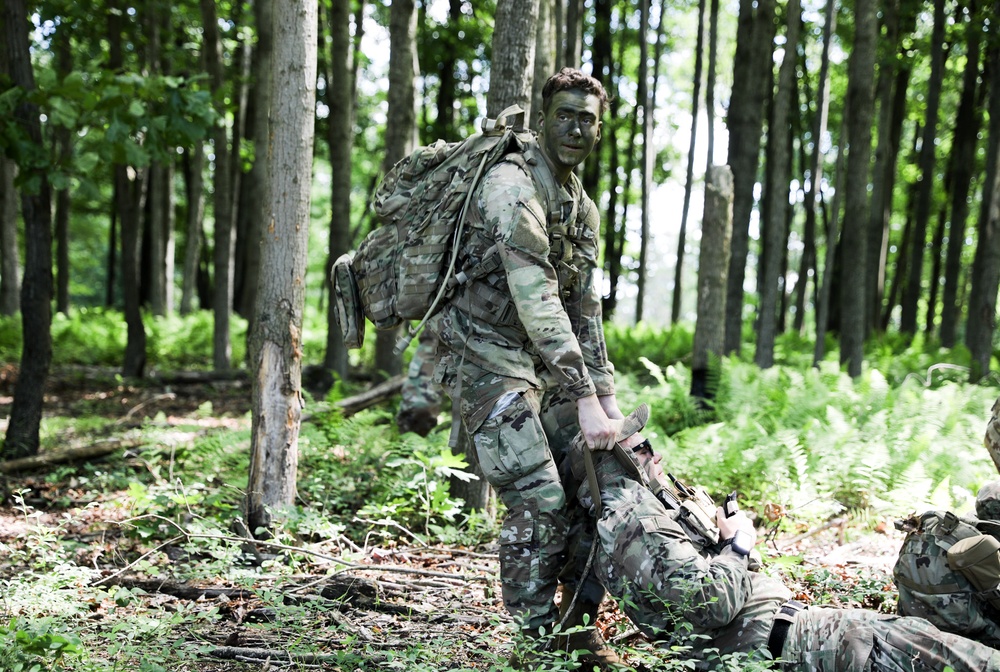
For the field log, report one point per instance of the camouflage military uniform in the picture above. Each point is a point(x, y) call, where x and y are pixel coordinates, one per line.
point(707, 597)
point(518, 347)
point(420, 396)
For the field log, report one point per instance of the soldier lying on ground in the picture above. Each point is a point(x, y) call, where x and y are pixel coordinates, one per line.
point(681, 589)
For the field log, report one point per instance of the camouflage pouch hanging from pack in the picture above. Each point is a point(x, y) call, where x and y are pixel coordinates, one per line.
point(978, 559)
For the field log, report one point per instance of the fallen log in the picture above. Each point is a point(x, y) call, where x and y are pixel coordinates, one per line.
point(76, 454)
point(375, 395)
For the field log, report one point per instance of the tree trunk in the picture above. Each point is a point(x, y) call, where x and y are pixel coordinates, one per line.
point(573, 36)
point(400, 136)
point(861, 84)
point(937, 245)
point(774, 225)
point(713, 265)
point(10, 274)
point(340, 124)
point(513, 56)
point(243, 227)
point(602, 64)
point(986, 264)
point(675, 307)
point(260, 91)
point(912, 289)
point(224, 242)
point(752, 74)
point(157, 230)
point(824, 303)
point(64, 150)
point(713, 50)
point(644, 96)
point(968, 121)
point(276, 339)
point(194, 183)
point(545, 56)
point(36, 291)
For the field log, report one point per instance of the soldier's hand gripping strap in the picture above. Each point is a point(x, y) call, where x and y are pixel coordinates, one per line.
point(633, 423)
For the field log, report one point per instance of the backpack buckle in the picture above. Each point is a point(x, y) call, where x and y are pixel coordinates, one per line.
point(949, 522)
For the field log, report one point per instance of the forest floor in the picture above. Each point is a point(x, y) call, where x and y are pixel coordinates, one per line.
point(390, 606)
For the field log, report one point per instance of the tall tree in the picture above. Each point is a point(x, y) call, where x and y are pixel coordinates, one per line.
point(645, 96)
point(400, 134)
point(925, 187)
point(36, 291)
point(64, 151)
point(752, 75)
point(774, 226)
point(986, 263)
point(222, 195)
point(572, 55)
point(194, 181)
point(340, 97)
point(968, 122)
point(10, 274)
point(513, 63)
point(276, 337)
point(545, 54)
point(713, 51)
point(861, 92)
point(675, 308)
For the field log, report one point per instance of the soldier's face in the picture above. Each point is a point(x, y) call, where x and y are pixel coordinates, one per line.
point(570, 129)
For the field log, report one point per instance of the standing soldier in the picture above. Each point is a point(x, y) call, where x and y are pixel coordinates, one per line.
point(522, 350)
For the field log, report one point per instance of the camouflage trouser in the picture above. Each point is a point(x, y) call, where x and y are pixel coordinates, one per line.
point(844, 640)
point(520, 448)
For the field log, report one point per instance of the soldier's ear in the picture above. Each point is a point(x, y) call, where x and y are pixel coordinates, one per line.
point(541, 118)
point(600, 124)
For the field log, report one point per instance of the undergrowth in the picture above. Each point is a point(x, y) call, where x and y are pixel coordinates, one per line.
point(808, 442)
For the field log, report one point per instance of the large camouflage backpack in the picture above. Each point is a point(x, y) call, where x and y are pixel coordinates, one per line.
point(405, 268)
point(948, 572)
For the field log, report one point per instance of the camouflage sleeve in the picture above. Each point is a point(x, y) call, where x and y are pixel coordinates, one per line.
point(512, 210)
point(714, 589)
point(591, 321)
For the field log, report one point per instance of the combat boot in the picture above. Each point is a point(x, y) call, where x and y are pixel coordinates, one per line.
point(589, 639)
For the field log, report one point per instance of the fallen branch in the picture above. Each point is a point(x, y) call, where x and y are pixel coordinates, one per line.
point(181, 590)
point(836, 522)
point(379, 393)
point(78, 453)
point(262, 655)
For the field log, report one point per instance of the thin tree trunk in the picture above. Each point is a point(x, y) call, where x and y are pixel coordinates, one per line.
point(861, 84)
point(10, 274)
point(986, 264)
point(573, 35)
point(340, 137)
point(647, 155)
point(36, 291)
point(224, 242)
point(194, 182)
point(752, 74)
point(913, 288)
point(713, 50)
point(825, 300)
point(968, 121)
point(675, 307)
point(64, 150)
point(276, 339)
point(513, 66)
point(937, 244)
point(774, 225)
point(713, 265)
point(545, 55)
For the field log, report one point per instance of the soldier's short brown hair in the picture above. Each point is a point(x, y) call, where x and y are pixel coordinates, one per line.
point(571, 78)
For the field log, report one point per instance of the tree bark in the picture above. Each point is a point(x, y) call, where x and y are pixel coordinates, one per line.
point(194, 183)
point(573, 35)
point(968, 121)
point(36, 291)
point(222, 201)
point(713, 265)
point(675, 307)
point(513, 62)
point(861, 84)
point(986, 264)
point(644, 96)
point(545, 57)
point(752, 75)
point(64, 151)
point(10, 274)
point(340, 97)
point(774, 225)
point(276, 339)
point(915, 269)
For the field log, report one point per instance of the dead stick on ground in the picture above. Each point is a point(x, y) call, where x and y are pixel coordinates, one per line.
point(46, 459)
point(234, 652)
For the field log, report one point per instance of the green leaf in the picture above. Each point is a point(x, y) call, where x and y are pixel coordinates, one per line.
point(137, 108)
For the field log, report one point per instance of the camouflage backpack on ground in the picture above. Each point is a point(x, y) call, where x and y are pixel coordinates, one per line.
point(948, 572)
point(405, 268)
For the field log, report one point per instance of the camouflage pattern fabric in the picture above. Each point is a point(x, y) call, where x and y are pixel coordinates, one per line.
point(421, 398)
point(988, 501)
point(518, 346)
point(707, 599)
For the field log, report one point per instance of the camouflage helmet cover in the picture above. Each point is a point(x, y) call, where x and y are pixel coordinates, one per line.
point(988, 501)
